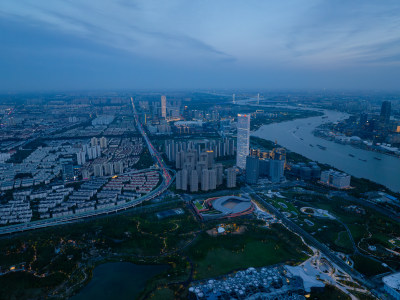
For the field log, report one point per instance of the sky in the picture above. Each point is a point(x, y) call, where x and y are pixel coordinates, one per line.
point(206, 44)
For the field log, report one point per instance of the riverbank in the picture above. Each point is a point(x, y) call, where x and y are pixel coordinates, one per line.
point(297, 136)
point(327, 133)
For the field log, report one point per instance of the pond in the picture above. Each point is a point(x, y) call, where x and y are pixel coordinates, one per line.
point(120, 280)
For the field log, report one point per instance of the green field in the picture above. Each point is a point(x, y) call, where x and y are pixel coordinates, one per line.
point(343, 240)
point(368, 266)
point(137, 238)
point(198, 205)
point(214, 256)
point(371, 228)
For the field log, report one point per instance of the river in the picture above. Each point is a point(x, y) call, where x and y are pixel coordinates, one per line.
point(297, 136)
point(120, 280)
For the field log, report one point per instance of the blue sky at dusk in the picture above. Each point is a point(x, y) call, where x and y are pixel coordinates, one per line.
point(47, 45)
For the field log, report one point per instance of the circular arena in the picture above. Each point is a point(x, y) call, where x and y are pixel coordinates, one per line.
point(226, 207)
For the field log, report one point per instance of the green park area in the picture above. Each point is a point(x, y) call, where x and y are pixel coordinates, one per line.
point(59, 260)
point(215, 256)
point(198, 205)
point(367, 229)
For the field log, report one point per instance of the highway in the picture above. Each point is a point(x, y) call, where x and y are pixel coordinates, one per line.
point(165, 175)
point(153, 151)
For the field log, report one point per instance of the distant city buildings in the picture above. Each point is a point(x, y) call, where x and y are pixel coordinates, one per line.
point(306, 171)
point(163, 106)
point(385, 112)
point(243, 139)
point(231, 178)
point(103, 142)
point(4, 157)
point(252, 169)
point(220, 148)
point(103, 120)
point(257, 167)
point(195, 161)
point(335, 179)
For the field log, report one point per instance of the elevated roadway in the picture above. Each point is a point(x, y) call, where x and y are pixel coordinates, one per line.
point(167, 179)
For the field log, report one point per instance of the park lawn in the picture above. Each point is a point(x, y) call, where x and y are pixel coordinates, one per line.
point(215, 256)
point(368, 266)
point(198, 205)
point(328, 235)
point(290, 207)
point(357, 231)
point(254, 254)
point(20, 285)
point(162, 293)
point(344, 241)
point(382, 239)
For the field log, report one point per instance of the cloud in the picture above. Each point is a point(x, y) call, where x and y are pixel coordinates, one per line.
point(344, 32)
point(206, 42)
point(118, 24)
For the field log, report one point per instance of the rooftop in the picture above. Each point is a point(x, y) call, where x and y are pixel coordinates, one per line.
point(393, 281)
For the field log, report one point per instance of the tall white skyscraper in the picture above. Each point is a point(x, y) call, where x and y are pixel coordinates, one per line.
point(233, 99)
point(258, 98)
point(163, 106)
point(243, 140)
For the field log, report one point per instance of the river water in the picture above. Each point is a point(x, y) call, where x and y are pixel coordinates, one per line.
point(297, 136)
point(121, 280)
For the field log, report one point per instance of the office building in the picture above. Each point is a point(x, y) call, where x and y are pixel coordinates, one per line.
point(276, 169)
point(163, 106)
point(219, 168)
point(194, 181)
point(98, 170)
point(212, 179)
point(336, 179)
point(243, 140)
point(81, 158)
point(108, 169)
point(264, 167)
point(205, 180)
point(182, 180)
point(93, 142)
point(118, 167)
point(103, 142)
point(252, 169)
point(231, 178)
point(68, 172)
point(385, 112)
point(210, 158)
point(85, 174)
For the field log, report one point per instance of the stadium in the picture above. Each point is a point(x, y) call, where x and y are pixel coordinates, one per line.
point(224, 207)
